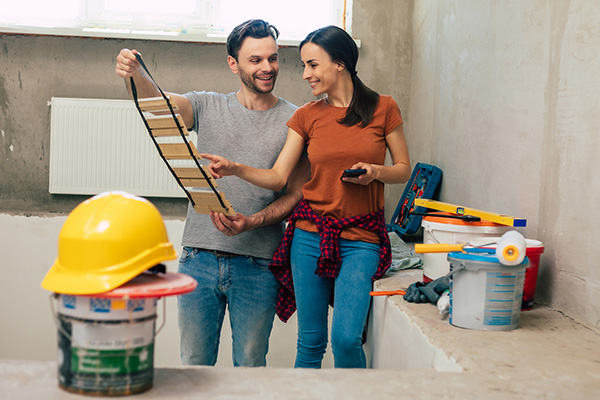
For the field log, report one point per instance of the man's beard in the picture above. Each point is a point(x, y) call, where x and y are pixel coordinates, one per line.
point(248, 80)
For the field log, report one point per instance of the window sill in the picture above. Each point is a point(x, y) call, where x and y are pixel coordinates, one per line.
point(102, 33)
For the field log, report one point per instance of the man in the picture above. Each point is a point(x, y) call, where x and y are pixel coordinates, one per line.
point(229, 256)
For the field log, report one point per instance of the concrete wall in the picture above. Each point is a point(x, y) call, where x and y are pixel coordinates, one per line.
point(35, 68)
point(385, 30)
point(28, 330)
point(505, 98)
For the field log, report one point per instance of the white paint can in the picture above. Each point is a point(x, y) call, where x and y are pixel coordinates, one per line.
point(438, 229)
point(484, 293)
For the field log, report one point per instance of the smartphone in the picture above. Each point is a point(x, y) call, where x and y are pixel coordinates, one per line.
point(353, 172)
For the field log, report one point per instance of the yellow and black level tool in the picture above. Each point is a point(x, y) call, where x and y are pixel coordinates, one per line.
point(485, 215)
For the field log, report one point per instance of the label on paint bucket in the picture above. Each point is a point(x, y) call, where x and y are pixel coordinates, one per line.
point(111, 349)
point(501, 299)
point(105, 309)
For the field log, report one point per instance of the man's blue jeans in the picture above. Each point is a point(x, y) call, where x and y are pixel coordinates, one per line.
point(351, 300)
point(244, 285)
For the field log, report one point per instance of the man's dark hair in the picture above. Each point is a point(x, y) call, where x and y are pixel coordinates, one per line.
point(254, 28)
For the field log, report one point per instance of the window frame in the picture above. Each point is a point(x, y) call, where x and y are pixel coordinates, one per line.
point(93, 16)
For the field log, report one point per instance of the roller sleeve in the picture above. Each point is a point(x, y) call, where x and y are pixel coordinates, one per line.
point(511, 248)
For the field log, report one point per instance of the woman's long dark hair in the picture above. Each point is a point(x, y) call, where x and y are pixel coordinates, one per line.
point(343, 50)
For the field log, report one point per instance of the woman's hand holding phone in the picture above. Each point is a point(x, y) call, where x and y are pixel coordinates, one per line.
point(348, 173)
point(361, 174)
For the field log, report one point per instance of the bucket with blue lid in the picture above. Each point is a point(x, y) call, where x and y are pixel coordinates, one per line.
point(485, 293)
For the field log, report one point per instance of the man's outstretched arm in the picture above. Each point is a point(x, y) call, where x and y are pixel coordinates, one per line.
point(128, 67)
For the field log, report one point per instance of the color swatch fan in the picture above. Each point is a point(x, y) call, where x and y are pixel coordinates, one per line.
point(172, 140)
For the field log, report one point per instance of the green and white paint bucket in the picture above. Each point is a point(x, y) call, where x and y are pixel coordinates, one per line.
point(106, 341)
point(106, 346)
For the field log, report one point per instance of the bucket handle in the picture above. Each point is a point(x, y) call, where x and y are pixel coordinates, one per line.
point(430, 231)
point(164, 318)
point(55, 318)
point(458, 268)
point(68, 336)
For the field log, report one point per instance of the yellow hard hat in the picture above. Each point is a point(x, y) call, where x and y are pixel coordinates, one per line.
point(106, 241)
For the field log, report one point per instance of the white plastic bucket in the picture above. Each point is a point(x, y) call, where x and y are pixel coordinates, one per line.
point(485, 294)
point(452, 231)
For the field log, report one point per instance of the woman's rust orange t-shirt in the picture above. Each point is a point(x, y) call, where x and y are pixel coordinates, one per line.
point(332, 148)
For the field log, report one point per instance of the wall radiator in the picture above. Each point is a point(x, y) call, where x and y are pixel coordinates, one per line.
point(98, 145)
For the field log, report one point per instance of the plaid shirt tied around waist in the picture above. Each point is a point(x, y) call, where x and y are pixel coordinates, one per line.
point(329, 263)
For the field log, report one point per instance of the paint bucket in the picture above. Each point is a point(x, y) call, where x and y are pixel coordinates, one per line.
point(438, 229)
point(535, 248)
point(485, 294)
point(105, 346)
point(106, 341)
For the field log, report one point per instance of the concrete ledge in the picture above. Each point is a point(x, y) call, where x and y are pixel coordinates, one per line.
point(37, 380)
point(547, 344)
point(549, 356)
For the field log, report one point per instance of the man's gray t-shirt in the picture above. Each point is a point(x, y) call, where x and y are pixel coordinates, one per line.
point(226, 128)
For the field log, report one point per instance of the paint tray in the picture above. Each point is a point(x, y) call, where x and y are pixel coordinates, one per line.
point(425, 182)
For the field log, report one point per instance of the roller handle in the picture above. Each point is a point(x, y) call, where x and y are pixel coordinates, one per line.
point(388, 293)
point(438, 247)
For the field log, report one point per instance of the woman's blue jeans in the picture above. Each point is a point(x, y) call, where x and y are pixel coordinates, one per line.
point(244, 285)
point(351, 300)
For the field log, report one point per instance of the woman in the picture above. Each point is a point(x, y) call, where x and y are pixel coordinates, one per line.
point(336, 242)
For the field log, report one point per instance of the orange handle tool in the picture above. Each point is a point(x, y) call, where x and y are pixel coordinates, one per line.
point(438, 247)
point(388, 293)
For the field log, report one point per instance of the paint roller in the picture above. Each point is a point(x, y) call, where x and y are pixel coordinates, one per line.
point(510, 249)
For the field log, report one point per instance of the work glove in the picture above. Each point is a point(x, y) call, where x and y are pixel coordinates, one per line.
point(414, 294)
point(434, 289)
point(420, 292)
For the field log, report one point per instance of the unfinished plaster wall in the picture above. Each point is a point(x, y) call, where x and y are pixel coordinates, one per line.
point(505, 98)
point(33, 69)
point(29, 246)
point(385, 31)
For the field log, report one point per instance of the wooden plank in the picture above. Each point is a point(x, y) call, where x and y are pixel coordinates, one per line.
point(161, 113)
point(168, 132)
point(178, 151)
point(208, 201)
point(192, 177)
point(206, 198)
point(196, 182)
point(153, 104)
point(165, 121)
point(193, 172)
point(207, 210)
